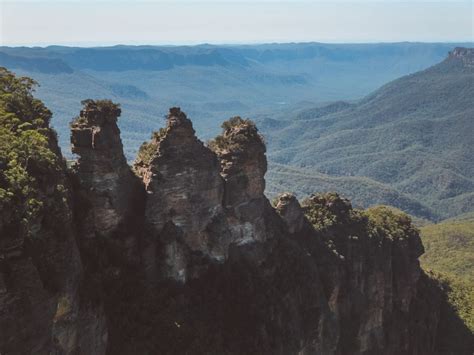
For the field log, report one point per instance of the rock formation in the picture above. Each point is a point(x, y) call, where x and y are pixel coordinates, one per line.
point(243, 166)
point(462, 55)
point(184, 193)
point(291, 212)
point(188, 256)
point(108, 192)
point(41, 272)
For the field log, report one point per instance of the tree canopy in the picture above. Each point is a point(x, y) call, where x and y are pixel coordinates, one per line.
point(26, 150)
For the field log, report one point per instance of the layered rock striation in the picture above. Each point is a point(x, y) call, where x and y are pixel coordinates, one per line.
point(108, 194)
point(184, 196)
point(243, 166)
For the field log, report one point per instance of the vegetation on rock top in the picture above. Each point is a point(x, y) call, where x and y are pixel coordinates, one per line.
point(236, 132)
point(328, 210)
point(105, 109)
point(148, 149)
point(27, 156)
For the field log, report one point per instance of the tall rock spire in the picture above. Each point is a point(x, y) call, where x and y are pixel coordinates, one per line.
point(241, 151)
point(184, 192)
point(108, 190)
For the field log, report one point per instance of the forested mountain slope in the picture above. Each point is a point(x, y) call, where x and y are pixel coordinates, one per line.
point(414, 134)
point(449, 251)
point(212, 82)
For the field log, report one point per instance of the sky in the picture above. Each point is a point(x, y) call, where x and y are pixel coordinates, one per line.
point(90, 23)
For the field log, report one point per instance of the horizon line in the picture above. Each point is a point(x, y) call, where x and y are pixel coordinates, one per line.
point(87, 44)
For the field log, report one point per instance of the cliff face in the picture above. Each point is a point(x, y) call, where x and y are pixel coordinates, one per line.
point(243, 165)
point(462, 55)
point(184, 195)
point(41, 310)
point(41, 272)
point(108, 196)
point(192, 258)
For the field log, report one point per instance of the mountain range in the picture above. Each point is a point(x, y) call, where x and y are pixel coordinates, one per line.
point(212, 82)
point(411, 140)
point(332, 118)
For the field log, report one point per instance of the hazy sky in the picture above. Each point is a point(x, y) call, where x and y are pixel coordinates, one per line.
point(88, 22)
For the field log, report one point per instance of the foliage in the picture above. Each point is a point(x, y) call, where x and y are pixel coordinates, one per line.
point(388, 223)
point(460, 295)
point(236, 131)
point(103, 106)
point(106, 109)
point(234, 122)
point(326, 210)
point(363, 192)
point(449, 254)
point(329, 210)
point(148, 149)
point(25, 148)
point(449, 248)
point(414, 135)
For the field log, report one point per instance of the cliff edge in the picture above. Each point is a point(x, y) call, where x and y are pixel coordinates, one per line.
point(183, 253)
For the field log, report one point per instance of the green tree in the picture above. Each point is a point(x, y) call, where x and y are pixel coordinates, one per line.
point(26, 151)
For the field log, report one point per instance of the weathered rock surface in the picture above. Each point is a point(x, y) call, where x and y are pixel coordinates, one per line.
point(243, 166)
point(291, 212)
point(194, 259)
point(463, 55)
point(41, 273)
point(184, 196)
point(108, 194)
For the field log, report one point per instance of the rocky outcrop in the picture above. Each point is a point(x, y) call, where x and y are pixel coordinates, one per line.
point(189, 257)
point(463, 55)
point(206, 199)
point(42, 310)
point(243, 166)
point(184, 196)
point(108, 194)
point(371, 276)
point(289, 208)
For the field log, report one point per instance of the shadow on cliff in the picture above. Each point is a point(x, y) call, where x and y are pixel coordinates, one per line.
point(453, 336)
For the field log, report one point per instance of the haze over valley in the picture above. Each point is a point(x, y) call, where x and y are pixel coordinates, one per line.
point(310, 101)
point(289, 177)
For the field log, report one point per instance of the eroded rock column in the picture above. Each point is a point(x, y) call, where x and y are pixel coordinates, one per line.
point(184, 195)
point(241, 151)
point(108, 192)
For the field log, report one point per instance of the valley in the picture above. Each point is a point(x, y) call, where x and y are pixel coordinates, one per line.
point(326, 122)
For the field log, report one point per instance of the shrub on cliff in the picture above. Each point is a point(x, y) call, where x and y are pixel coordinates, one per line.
point(236, 121)
point(106, 109)
point(333, 214)
point(385, 222)
point(327, 210)
point(148, 149)
point(26, 155)
point(236, 132)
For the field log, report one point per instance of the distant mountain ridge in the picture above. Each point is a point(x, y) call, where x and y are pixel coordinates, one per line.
point(405, 144)
point(122, 58)
point(414, 134)
point(214, 82)
point(145, 57)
